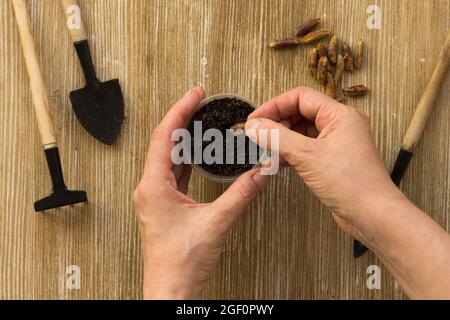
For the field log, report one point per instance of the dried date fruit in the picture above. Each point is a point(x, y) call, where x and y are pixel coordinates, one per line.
point(359, 54)
point(315, 36)
point(322, 71)
point(340, 68)
point(322, 50)
point(279, 44)
point(333, 49)
point(330, 88)
point(349, 64)
point(355, 91)
point(313, 61)
point(307, 27)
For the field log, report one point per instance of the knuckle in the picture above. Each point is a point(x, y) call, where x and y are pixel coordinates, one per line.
point(142, 200)
point(328, 113)
point(291, 154)
point(140, 195)
point(247, 190)
point(302, 91)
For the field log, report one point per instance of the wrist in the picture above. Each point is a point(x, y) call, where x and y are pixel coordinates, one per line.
point(168, 279)
point(374, 211)
point(158, 288)
point(163, 282)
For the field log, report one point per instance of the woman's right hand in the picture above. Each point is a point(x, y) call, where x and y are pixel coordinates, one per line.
point(332, 148)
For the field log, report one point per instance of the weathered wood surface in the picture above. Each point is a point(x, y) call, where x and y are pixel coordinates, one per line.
point(287, 245)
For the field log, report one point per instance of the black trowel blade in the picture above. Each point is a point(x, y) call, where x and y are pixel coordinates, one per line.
point(100, 109)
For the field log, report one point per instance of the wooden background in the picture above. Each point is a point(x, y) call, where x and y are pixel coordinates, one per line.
point(287, 246)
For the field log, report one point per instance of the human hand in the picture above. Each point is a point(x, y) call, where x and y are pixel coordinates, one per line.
point(332, 148)
point(182, 240)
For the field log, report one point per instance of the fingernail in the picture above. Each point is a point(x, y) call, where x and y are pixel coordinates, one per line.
point(260, 180)
point(197, 90)
point(189, 92)
point(251, 128)
point(200, 90)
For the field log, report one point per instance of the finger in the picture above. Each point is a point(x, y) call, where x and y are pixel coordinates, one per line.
point(161, 145)
point(184, 109)
point(302, 101)
point(282, 164)
point(261, 132)
point(240, 195)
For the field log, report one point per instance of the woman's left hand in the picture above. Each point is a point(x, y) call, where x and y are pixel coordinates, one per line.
point(182, 240)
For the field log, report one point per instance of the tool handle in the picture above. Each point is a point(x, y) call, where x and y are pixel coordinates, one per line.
point(359, 249)
point(38, 90)
point(74, 21)
point(401, 165)
point(428, 99)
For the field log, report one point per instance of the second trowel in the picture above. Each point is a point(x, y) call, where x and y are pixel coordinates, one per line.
point(99, 106)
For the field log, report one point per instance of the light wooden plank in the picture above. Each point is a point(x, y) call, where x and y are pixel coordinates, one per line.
point(286, 246)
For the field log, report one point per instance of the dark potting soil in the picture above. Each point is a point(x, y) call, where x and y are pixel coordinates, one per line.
point(222, 114)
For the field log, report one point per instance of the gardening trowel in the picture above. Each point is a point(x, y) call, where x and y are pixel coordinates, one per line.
point(99, 106)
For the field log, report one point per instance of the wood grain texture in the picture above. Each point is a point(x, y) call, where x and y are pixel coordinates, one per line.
point(286, 246)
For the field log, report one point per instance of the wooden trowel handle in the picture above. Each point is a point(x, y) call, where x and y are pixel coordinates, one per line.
point(38, 90)
point(428, 99)
point(74, 21)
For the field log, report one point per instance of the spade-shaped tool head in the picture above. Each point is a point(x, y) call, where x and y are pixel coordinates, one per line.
point(100, 109)
point(99, 106)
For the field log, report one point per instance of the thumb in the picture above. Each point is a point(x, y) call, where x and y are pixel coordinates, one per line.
point(274, 136)
point(240, 195)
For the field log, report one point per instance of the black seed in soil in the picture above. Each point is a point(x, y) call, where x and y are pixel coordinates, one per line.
point(222, 114)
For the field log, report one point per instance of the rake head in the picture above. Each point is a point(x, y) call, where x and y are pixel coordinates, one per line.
point(60, 196)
